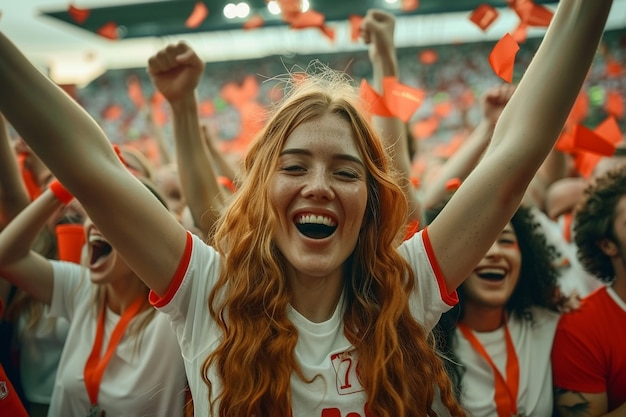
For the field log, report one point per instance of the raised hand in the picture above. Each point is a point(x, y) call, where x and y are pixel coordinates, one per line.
point(175, 71)
point(494, 100)
point(377, 29)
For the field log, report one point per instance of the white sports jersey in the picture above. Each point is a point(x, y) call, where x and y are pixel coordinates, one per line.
point(322, 349)
point(149, 381)
point(533, 344)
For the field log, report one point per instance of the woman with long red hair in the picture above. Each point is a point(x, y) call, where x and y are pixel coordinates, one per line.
point(305, 303)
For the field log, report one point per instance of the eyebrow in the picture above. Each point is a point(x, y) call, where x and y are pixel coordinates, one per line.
point(338, 156)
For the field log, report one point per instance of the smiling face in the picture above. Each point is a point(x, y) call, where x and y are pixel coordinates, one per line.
point(492, 282)
point(319, 193)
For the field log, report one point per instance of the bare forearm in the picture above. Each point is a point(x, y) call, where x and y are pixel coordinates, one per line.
point(55, 126)
point(459, 165)
point(195, 165)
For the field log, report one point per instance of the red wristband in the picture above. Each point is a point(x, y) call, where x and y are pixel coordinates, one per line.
point(60, 192)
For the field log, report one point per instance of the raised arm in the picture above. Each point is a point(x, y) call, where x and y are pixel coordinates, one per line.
point(78, 153)
point(19, 264)
point(13, 194)
point(377, 30)
point(176, 71)
point(524, 135)
point(462, 162)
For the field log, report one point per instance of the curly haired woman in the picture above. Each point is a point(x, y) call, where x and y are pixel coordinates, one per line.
point(498, 338)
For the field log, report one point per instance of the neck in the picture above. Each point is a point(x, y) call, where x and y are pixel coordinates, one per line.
point(121, 294)
point(482, 318)
point(619, 285)
point(316, 298)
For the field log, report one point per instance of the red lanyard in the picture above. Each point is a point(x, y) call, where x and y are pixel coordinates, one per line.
point(505, 396)
point(95, 366)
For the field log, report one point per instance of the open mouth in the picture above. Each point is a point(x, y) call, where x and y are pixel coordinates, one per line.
point(491, 274)
point(316, 227)
point(100, 250)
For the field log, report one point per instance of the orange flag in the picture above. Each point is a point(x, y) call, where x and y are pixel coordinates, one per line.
point(502, 57)
point(588, 140)
point(79, 15)
point(609, 130)
point(373, 101)
point(400, 99)
point(197, 16)
point(484, 15)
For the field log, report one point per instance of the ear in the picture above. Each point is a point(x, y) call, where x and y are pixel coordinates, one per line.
point(609, 247)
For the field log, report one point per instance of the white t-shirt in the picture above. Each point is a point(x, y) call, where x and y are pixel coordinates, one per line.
point(149, 381)
point(40, 352)
point(533, 344)
point(322, 349)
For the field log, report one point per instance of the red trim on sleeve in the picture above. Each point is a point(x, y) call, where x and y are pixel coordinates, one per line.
point(450, 298)
point(154, 298)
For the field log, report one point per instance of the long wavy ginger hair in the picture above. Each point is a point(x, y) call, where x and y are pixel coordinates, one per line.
point(255, 360)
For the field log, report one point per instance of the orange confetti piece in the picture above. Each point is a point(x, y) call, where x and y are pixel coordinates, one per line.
point(539, 16)
point(609, 130)
point(373, 101)
point(355, 27)
point(585, 162)
point(401, 99)
point(112, 112)
point(290, 9)
point(520, 34)
point(328, 32)
point(425, 128)
point(613, 68)
point(502, 57)
point(565, 143)
point(586, 139)
point(428, 57)
point(206, 108)
point(410, 5)
point(197, 16)
point(78, 15)
point(530, 13)
point(108, 30)
point(134, 92)
point(309, 19)
point(484, 15)
point(158, 115)
point(443, 109)
point(614, 104)
point(579, 110)
point(254, 22)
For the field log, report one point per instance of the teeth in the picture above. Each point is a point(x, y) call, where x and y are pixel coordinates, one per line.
point(491, 271)
point(315, 219)
point(96, 239)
